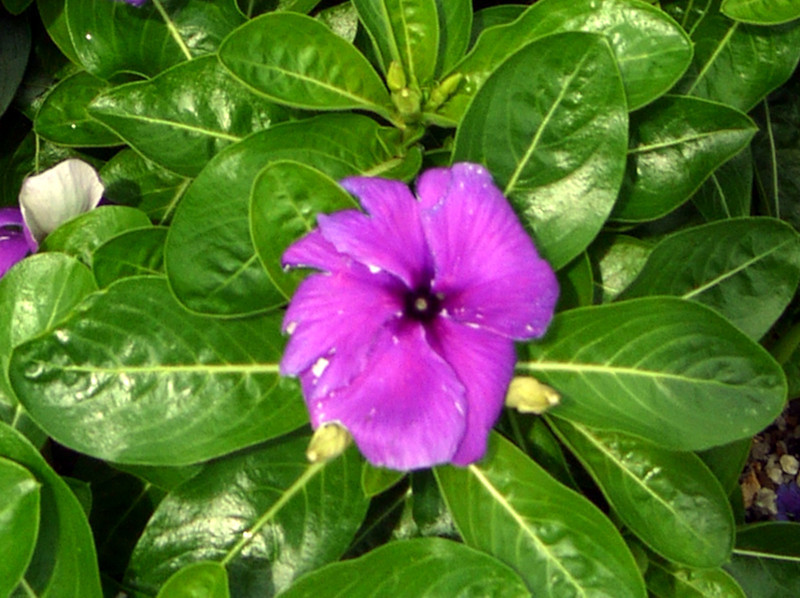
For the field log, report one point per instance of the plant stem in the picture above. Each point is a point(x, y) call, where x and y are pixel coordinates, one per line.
point(173, 30)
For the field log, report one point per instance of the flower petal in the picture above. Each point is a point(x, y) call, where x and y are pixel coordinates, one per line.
point(49, 199)
point(313, 251)
point(333, 320)
point(484, 362)
point(484, 262)
point(406, 410)
point(390, 238)
point(13, 248)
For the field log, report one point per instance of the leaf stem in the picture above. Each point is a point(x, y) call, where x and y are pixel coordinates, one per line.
point(774, 160)
point(787, 344)
point(173, 30)
point(247, 536)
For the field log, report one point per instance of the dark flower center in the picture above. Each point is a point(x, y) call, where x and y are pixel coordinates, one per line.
point(422, 305)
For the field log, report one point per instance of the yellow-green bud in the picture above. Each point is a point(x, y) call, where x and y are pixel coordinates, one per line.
point(396, 76)
point(408, 103)
point(328, 442)
point(444, 90)
point(528, 395)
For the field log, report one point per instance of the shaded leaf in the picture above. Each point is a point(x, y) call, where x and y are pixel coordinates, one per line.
point(728, 191)
point(133, 253)
point(671, 581)
point(19, 522)
point(763, 12)
point(206, 579)
point(619, 259)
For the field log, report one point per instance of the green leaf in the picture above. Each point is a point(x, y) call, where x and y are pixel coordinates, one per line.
point(729, 189)
point(211, 262)
point(184, 116)
point(455, 24)
point(405, 32)
point(619, 259)
point(551, 126)
point(206, 579)
point(133, 253)
point(669, 499)
point(679, 142)
point(375, 480)
point(413, 568)
point(15, 47)
point(83, 234)
point(746, 268)
point(265, 514)
point(651, 50)
point(115, 38)
point(559, 542)
point(502, 14)
point(55, 22)
point(766, 560)
point(19, 522)
point(133, 377)
point(673, 581)
point(762, 12)
point(576, 283)
point(135, 181)
point(34, 295)
point(659, 368)
point(16, 7)
point(293, 59)
point(64, 563)
point(63, 118)
point(284, 202)
point(727, 463)
point(739, 64)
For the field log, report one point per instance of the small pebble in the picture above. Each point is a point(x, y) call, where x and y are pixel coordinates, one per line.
point(765, 499)
point(759, 451)
point(790, 464)
point(773, 470)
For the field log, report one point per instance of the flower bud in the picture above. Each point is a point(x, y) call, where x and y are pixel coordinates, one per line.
point(396, 76)
point(528, 395)
point(328, 442)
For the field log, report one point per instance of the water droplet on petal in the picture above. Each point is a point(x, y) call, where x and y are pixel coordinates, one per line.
point(319, 367)
point(291, 327)
point(373, 269)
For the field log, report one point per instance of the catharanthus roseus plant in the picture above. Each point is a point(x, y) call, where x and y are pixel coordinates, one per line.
point(397, 298)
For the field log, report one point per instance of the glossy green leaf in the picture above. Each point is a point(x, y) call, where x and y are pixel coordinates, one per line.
point(558, 541)
point(739, 64)
point(34, 295)
point(652, 368)
point(64, 564)
point(55, 22)
point(264, 513)
point(576, 283)
point(455, 24)
point(762, 12)
point(669, 499)
point(204, 579)
point(15, 47)
point(63, 118)
point(413, 569)
point(114, 38)
point(619, 259)
point(728, 191)
point(405, 32)
point(211, 262)
point(672, 581)
point(135, 181)
point(545, 448)
point(284, 202)
point(19, 522)
point(746, 268)
point(181, 118)
point(766, 560)
point(85, 233)
point(679, 142)
point(651, 50)
point(133, 377)
point(551, 126)
point(502, 14)
point(133, 253)
point(293, 59)
point(375, 480)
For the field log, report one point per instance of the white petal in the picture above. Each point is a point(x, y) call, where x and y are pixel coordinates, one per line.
point(56, 195)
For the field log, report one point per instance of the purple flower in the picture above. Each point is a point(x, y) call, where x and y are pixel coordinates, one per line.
point(788, 502)
point(46, 200)
point(405, 336)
